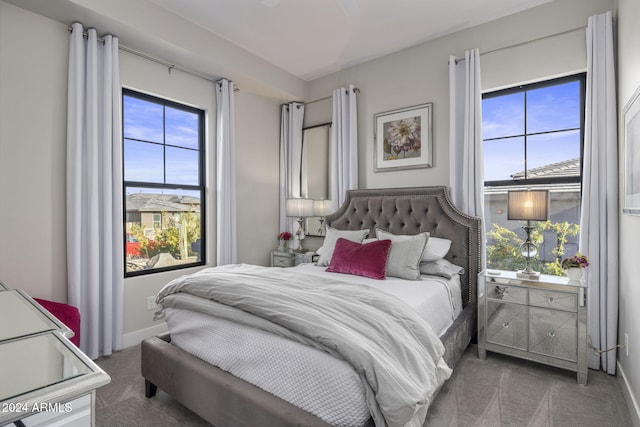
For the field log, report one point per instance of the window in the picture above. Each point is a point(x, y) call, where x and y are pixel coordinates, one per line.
point(157, 220)
point(533, 139)
point(163, 146)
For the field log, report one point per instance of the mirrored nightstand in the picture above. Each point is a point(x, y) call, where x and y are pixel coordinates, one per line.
point(290, 259)
point(542, 320)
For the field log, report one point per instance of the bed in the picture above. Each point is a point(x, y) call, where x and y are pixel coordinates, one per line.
point(226, 400)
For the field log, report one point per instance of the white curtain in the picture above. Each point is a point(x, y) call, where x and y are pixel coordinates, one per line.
point(95, 259)
point(290, 159)
point(344, 145)
point(599, 209)
point(227, 249)
point(466, 162)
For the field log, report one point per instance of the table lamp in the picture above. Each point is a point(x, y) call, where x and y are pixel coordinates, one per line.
point(528, 205)
point(299, 209)
point(322, 208)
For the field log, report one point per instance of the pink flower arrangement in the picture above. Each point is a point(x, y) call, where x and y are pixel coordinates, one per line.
point(285, 235)
point(576, 261)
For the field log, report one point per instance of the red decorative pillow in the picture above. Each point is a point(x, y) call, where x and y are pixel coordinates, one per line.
point(368, 259)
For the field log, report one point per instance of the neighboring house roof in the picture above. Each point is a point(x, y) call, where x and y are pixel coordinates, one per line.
point(564, 168)
point(147, 202)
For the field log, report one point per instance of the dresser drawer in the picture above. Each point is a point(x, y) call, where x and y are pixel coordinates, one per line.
point(507, 324)
point(553, 333)
point(281, 261)
point(551, 299)
point(507, 293)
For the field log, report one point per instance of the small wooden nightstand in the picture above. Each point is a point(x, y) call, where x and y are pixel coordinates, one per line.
point(289, 259)
point(541, 320)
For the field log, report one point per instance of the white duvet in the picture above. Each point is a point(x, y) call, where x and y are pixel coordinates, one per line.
point(436, 299)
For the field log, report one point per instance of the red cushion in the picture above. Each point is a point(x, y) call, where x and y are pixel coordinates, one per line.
point(368, 259)
point(67, 314)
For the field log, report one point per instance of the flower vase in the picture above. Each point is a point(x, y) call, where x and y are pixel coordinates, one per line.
point(282, 245)
point(574, 274)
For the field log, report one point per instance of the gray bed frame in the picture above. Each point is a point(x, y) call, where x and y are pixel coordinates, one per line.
point(227, 401)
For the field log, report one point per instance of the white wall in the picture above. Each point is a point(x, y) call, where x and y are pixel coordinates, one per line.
point(33, 86)
point(629, 315)
point(33, 92)
point(258, 186)
point(420, 74)
point(146, 27)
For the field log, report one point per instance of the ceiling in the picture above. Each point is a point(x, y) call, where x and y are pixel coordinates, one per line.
point(313, 38)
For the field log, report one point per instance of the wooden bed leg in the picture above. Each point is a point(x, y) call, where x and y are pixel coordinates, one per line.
point(150, 389)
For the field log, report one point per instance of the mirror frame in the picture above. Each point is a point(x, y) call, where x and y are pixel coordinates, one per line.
point(313, 225)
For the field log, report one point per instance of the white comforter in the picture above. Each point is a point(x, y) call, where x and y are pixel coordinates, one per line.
point(395, 352)
point(436, 299)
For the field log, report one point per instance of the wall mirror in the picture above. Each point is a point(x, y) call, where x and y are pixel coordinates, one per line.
point(314, 171)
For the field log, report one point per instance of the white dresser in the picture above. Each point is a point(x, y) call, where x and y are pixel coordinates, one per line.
point(541, 320)
point(44, 379)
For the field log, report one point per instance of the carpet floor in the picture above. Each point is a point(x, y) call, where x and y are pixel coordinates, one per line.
point(498, 391)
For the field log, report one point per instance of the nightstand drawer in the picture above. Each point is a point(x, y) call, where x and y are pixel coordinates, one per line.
point(283, 261)
point(507, 293)
point(507, 324)
point(303, 258)
point(551, 299)
point(553, 333)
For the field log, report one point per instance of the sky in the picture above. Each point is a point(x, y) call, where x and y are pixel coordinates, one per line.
point(548, 109)
point(144, 160)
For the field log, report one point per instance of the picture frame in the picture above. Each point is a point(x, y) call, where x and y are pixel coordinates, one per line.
point(403, 138)
point(631, 138)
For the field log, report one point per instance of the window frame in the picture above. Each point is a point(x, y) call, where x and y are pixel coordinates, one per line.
point(502, 186)
point(201, 187)
point(579, 77)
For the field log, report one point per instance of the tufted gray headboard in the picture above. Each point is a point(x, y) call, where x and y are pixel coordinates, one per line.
point(412, 211)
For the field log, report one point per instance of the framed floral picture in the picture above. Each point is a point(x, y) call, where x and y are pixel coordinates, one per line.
point(403, 138)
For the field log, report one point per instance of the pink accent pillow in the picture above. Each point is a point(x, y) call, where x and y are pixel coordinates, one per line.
point(67, 314)
point(368, 259)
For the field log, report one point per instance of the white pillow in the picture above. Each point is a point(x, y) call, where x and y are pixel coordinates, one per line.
point(329, 244)
point(441, 267)
point(436, 249)
point(406, 253)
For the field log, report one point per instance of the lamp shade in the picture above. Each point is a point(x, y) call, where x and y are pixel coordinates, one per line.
point(528, 205)
point(299, 208)
point(322, 207)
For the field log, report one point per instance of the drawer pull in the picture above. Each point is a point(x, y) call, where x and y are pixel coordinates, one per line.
point(505, 325)
point(552, 334)
point(550, 299)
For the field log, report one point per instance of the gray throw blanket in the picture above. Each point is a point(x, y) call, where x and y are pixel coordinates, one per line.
point(395, 352)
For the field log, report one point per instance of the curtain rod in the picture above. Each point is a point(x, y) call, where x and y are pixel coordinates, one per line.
point(169, 65)
point(355, 90)
point(300, 103)
point(527, 42)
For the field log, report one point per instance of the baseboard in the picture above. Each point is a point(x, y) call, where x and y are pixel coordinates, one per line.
point(134, 338)
point(634, 409)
